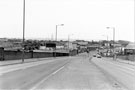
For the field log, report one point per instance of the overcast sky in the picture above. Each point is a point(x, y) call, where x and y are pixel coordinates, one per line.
point(85, 19)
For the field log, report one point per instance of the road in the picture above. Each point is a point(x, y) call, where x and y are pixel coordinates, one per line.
point(121, 72)
point(76, 72)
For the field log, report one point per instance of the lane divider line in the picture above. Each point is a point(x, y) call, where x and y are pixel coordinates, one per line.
point(35, 86)
point(57, 70)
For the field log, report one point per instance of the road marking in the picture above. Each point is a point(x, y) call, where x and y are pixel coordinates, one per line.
point(58, 70)
point(35, 86)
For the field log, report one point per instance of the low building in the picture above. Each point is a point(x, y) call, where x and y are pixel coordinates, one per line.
point(130, 48)
point(70, 45)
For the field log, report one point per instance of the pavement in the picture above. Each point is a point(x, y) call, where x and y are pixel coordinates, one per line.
point(122, 73)
point(121, 61)
point(126, 61)
point(81, 72)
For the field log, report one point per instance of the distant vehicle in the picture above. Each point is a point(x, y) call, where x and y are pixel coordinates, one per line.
point(94, 55)
point(98, 56)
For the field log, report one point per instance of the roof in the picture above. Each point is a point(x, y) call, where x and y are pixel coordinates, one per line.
point(130, 46)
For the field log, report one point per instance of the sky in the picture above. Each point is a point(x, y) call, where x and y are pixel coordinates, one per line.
point(82, 19)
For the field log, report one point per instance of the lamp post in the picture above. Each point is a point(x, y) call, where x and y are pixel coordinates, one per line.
point(134, 21)
point(23, 30)
point(113, 37)
point(56, 34)
point(56, 30)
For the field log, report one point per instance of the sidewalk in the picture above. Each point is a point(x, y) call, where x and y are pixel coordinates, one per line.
point(125, 61)
point(122, 61)
point(12, 62)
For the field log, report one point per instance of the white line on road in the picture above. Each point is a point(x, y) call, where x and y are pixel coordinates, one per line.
point(58, 70)
point(35, 86)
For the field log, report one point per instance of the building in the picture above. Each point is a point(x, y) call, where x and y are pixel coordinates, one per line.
point(70, 45)
point(130, 49)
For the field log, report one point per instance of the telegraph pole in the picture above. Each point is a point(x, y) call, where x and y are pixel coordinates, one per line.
point(23, 30)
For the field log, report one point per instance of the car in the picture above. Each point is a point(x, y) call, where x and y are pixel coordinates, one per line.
point(98, 56)
point(94, 55)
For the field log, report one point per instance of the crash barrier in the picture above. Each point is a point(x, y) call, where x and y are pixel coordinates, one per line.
point(16, 55)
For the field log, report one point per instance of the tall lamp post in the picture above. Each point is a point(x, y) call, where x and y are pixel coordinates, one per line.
point(134, 21)
point(56, 34)
point(113, 37)
point(56, 30)
point(23, 30)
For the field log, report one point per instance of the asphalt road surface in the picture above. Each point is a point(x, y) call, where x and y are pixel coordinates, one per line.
point(77, 72)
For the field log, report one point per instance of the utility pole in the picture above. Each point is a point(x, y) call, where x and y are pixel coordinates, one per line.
point(23, 30)
point(113, 41)
point(68, 42)
point(56, 35)
point(134, 21)
point(113, 38)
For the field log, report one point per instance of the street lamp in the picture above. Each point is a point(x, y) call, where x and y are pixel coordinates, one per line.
point(56, 29)
point(113, 37)
point(23, 30)
point(134, 21)
point(56, 34)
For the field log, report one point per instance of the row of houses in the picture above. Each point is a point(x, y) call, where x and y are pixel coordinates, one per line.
point(72, 45)
point(126, 48)
point(16, 44)
point(121, 48)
